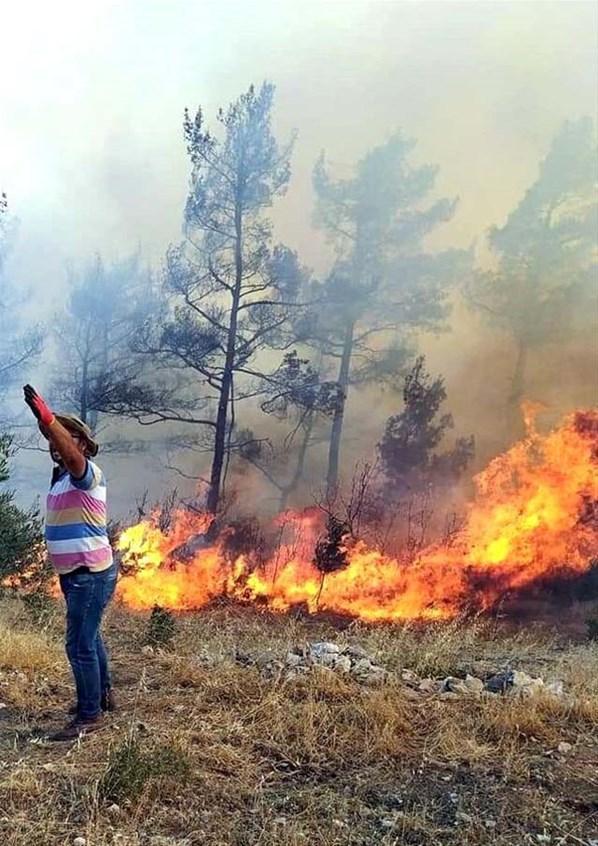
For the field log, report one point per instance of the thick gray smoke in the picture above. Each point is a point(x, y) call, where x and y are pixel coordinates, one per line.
point(92, 156)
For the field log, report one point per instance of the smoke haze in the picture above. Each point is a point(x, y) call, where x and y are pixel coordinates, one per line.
point(92, 156)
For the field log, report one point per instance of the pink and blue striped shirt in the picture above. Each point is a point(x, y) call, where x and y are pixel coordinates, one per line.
point(76, 523)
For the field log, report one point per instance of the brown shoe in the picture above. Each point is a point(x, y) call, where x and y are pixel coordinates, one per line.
point(77, 728)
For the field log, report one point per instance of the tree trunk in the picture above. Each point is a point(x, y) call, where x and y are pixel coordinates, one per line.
point(84, 393)
point(288, 489)
point(515, 423)
point(337, 422)
point(213, 499)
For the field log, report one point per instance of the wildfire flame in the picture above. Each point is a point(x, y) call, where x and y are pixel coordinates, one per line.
point(528, 521)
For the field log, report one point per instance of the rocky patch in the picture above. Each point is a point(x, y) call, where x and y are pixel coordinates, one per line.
point(355, 662)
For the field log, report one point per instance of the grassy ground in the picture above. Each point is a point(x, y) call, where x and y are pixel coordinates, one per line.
point(207, 751)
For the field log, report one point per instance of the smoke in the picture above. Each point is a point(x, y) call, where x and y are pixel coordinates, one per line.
point(92, 156)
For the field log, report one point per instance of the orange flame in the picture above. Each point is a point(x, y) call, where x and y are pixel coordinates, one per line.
point(525, 523)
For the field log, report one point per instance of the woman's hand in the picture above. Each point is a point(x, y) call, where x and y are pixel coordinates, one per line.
point(64, 443)
point(37, 405)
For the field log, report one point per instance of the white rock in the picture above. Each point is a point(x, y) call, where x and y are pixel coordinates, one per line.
point(363, 665)
point(293, 660)
point(564, 747)
point(355, 651)
point(375, 675)
point(323, 647)
point(520, 679)
point(79, 841)
point(326, 659)
point(473, 684)
point(524, 685)
point(114, 810)
point(147, 650)
point(454, 685)
point(343, 664)
point(537, 686)
point(429, 686)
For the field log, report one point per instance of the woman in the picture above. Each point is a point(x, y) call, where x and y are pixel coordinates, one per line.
point(80, 552)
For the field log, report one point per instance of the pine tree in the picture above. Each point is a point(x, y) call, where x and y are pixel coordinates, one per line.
point(411, 438)
point(21, 542)
point(384, 282)
point(542, 289)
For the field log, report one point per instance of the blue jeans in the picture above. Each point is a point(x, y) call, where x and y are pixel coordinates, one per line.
point(87, 595)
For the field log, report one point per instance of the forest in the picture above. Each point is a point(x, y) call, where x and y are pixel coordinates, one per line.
point(235, 360)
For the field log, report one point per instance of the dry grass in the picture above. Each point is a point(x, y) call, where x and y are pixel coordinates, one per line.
point(26, 650)
point(206, 751)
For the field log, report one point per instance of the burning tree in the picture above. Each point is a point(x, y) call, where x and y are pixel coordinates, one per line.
point(228, 290)
point(544, 279)
point(383, 282)
point(411, 438)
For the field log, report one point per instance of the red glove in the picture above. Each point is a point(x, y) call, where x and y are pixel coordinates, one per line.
point(38, 406)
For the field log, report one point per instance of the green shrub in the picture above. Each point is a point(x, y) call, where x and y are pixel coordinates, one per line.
point(131, 768)
point(40, 606)
point(21, 540)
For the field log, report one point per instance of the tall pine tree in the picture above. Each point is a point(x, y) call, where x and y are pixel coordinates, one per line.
point(384, 282)
point(542, 287)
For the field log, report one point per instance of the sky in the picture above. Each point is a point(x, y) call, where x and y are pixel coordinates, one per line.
point(92, 97)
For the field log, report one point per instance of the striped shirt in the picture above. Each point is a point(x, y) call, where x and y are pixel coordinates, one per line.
point(76, 533)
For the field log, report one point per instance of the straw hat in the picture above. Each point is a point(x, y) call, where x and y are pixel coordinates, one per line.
point(77, 427)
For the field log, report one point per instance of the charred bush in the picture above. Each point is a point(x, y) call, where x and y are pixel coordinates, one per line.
point(243, 537)
point(161, 627)
point(330, 553)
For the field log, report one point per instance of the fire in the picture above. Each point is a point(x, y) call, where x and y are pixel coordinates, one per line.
point(525, 523)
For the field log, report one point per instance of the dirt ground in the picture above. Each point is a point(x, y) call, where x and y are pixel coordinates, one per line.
point(206, 748)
